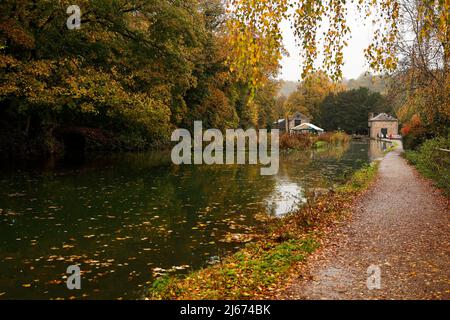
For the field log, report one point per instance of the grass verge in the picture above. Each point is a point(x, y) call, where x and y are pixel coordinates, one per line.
point(260, 268)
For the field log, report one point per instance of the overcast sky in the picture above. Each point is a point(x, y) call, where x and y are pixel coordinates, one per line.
point(355, 63)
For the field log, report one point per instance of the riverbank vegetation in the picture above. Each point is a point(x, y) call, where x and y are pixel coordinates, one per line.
point(295, 141)
point(306, 141)
point(262, 267)
point(432, 159)
point(333, 138)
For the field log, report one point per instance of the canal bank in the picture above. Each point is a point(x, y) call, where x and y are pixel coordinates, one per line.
point(261, 269)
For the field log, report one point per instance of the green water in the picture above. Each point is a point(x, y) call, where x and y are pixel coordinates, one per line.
point(126, 217)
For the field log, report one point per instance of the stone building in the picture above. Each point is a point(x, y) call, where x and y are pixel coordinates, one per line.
point(383, 126)
point(285, 125)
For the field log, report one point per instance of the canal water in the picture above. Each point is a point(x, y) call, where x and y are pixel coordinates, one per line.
point(126, 219)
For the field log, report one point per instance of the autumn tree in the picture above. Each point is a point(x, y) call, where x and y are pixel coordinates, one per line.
point(266, 101)
point(310, 94)
point(296, 102)
point(257, 38)
point(414, 33)
point(421, 92)
point(127, 68)
point(135, 67)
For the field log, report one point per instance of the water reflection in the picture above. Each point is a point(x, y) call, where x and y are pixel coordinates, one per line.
point(286, 197)
point(377, 149)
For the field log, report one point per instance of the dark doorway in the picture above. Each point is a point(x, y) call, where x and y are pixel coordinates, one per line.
point(384, 132)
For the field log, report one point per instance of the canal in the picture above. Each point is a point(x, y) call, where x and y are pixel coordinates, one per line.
point(128, 218)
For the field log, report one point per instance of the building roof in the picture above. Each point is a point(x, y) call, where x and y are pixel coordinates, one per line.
point(383, 117)
point(307, 126)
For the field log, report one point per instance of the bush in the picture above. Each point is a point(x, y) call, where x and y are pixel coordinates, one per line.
point(413, 141)
point(432, 162)
point(414, 133)
point(334, 138)
point(295, 141)
point(304, 141)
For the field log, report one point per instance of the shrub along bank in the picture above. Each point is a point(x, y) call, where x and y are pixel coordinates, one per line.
point(306, 141)
point(433, 161)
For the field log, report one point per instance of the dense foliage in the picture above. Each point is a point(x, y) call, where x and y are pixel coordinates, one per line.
point(433, 161)
point(136, 69)
point(349, 110)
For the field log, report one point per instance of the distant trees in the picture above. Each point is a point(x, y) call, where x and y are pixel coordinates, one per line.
point(349, 110)
point(309, 95)
point(373, 83)
point(287, 87)
point(331, 106)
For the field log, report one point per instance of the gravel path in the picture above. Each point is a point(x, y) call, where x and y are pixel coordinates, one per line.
point(401, 225)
